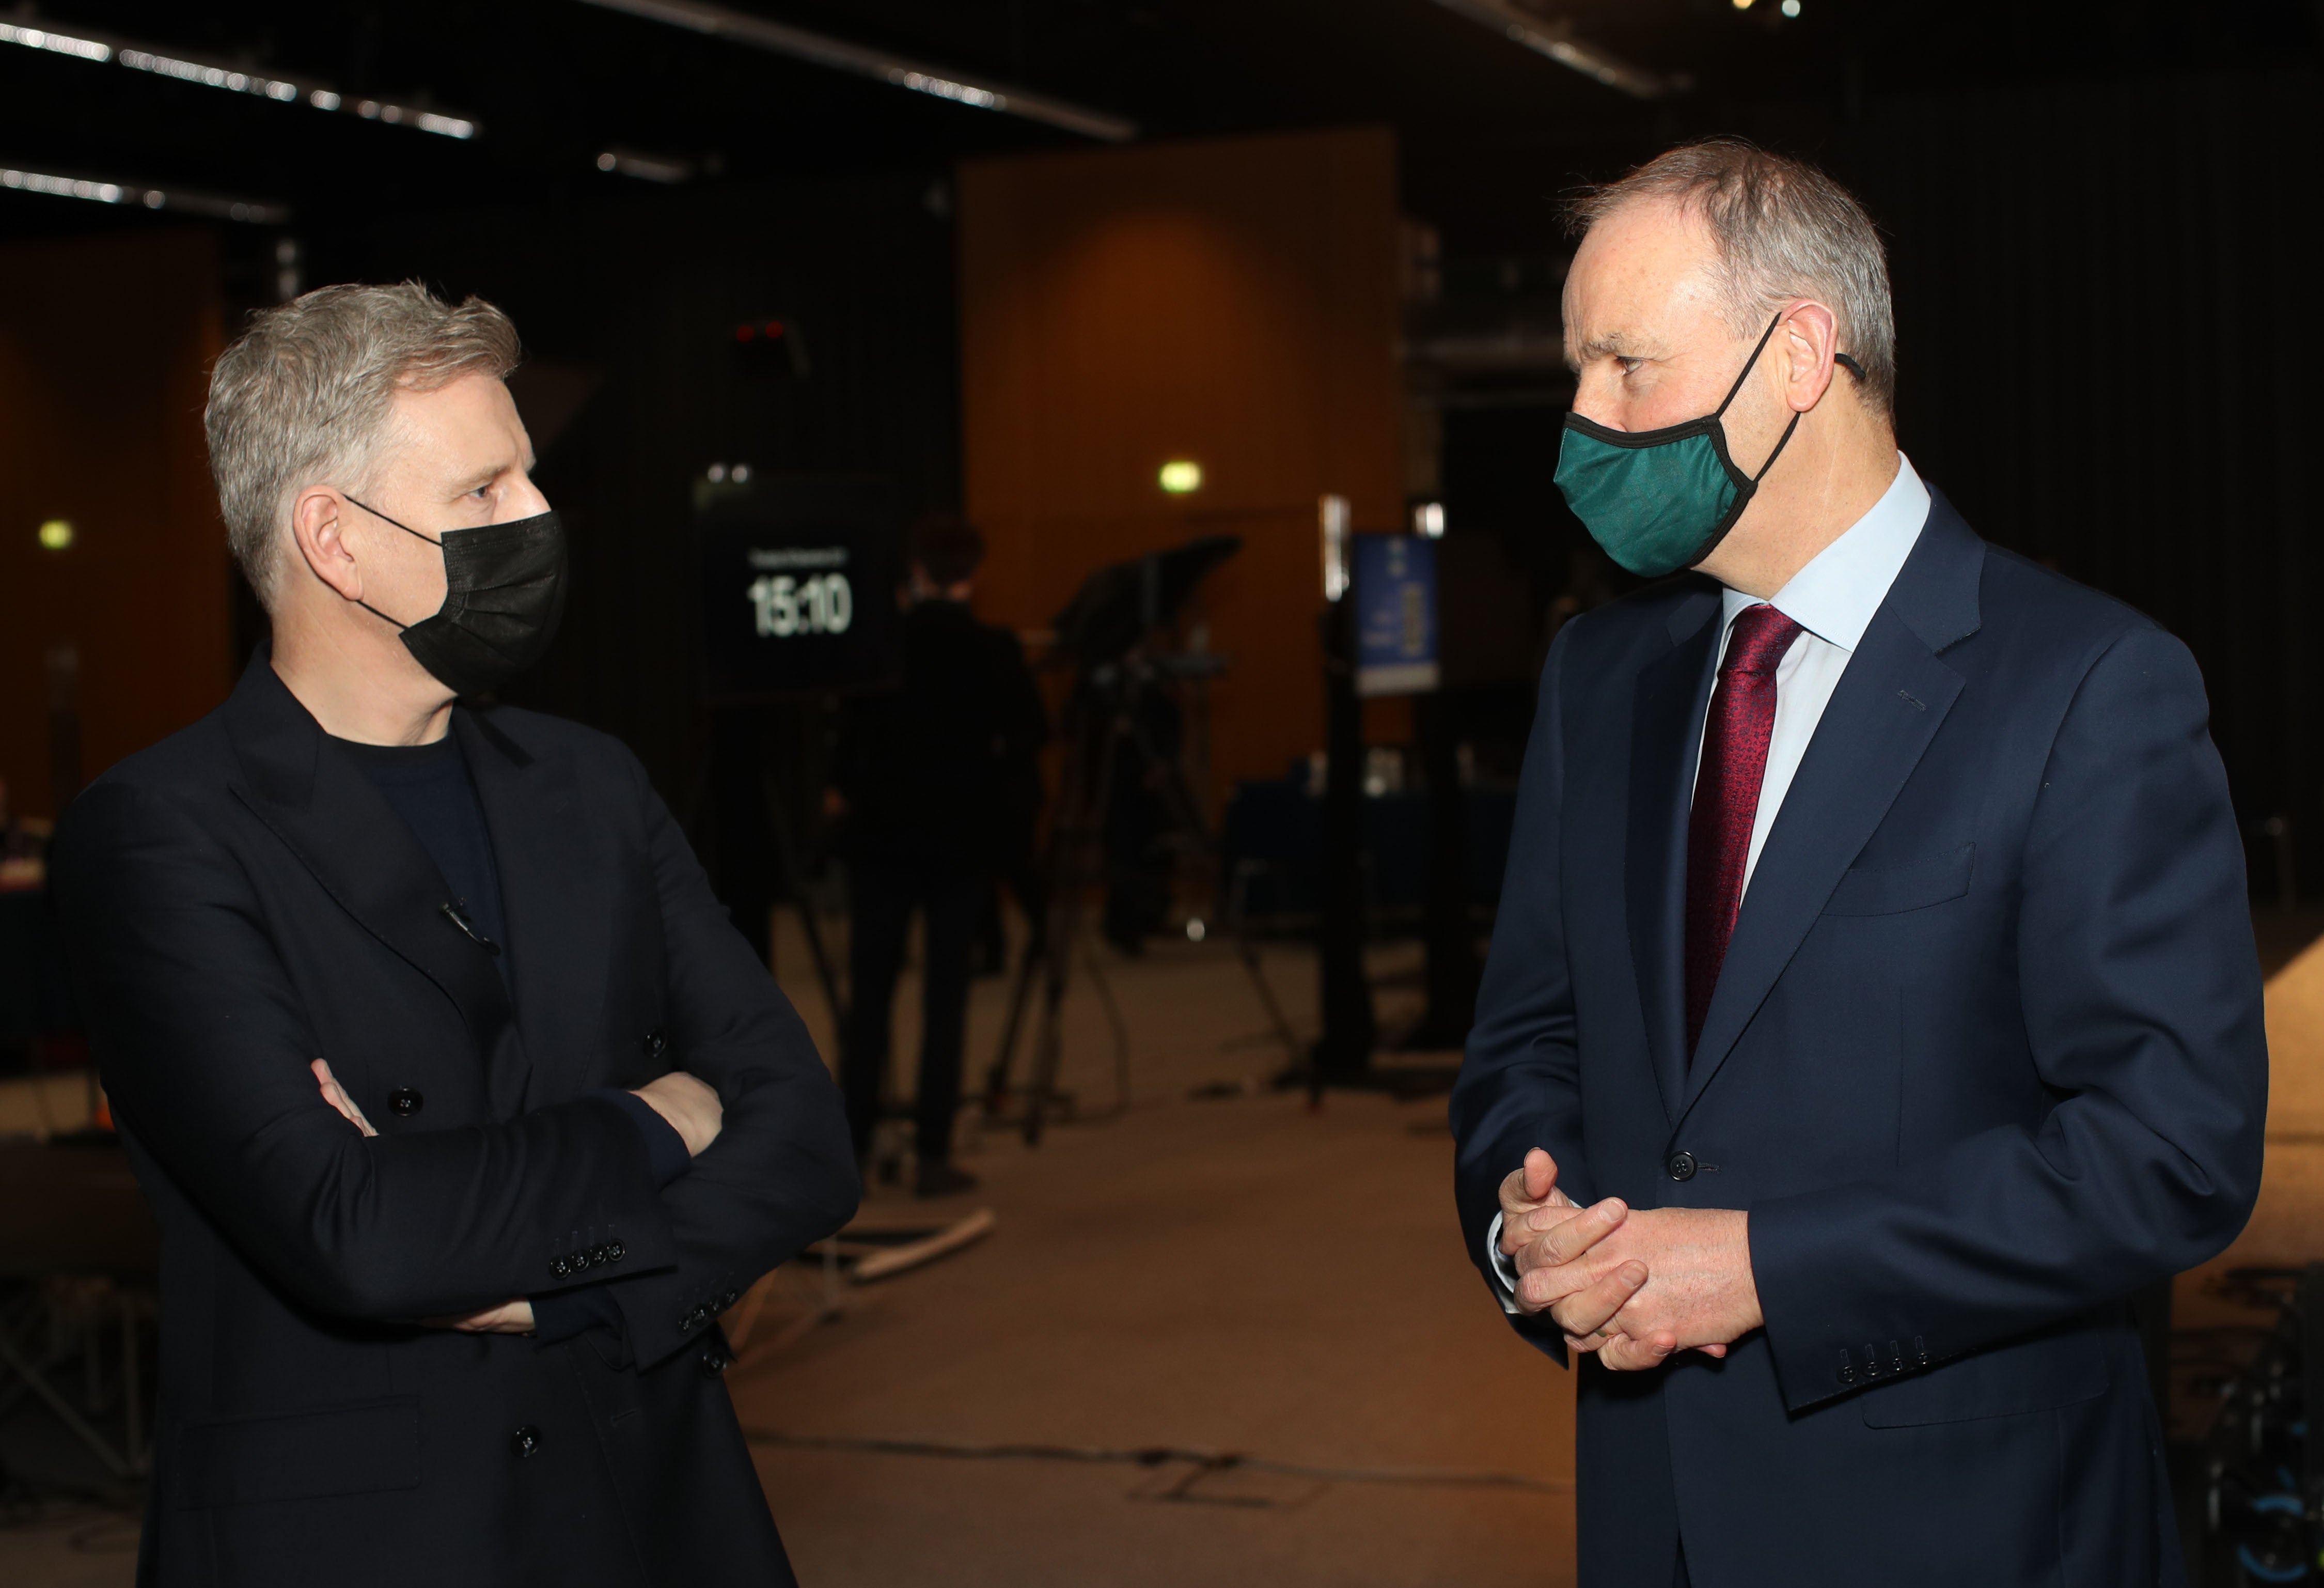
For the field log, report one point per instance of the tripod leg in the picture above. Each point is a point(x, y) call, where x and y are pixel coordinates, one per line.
point(996, 1079)
point(1096, 969)
point(1049, 1051)
point(1248, 952)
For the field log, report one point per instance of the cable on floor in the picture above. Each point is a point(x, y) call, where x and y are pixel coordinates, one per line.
point(1155, 1455)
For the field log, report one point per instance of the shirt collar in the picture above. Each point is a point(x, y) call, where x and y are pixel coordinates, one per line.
point(1843, 584)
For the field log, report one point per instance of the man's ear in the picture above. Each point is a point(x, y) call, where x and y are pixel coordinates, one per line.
point(315, 522)
point(1810, 335)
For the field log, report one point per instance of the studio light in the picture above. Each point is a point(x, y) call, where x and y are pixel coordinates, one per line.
point(1180, 476)
point(1556, 39)
point(646, 168)
point(100, 48)
point(1332, 519)
point(60, 43)
point(57, 534)
point(183, 200)
point(1428, 520)
point(717, 22)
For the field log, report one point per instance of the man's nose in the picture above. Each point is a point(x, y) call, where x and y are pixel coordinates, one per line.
point(525, 502)
point(1593, 399)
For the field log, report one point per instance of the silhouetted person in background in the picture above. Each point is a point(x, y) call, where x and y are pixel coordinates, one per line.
point(938, 785)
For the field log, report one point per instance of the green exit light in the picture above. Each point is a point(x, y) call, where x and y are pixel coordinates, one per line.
point(1180, 476)
point(55, 534)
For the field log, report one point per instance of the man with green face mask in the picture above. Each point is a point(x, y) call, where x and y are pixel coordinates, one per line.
point(1873, 1005)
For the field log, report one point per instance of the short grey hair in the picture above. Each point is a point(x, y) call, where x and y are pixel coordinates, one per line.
point(302, 398)
point(1783, 229)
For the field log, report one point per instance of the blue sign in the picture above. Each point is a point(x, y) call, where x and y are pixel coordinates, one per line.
point(1395, 614)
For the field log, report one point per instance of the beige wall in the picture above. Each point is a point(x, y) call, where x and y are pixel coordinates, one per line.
point(1234, 303)
point(105, 349)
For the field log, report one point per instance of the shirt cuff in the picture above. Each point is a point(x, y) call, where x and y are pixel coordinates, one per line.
point(1505, 1269)
point(665, 1148)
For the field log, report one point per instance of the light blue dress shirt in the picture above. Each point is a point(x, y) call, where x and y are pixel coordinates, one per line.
point(1832, 599)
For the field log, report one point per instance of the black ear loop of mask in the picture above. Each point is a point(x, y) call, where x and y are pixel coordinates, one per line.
point(408, 530)
point(1720, 435)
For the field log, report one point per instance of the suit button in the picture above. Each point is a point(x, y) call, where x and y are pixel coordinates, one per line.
point(598, 1254)
point(525, 1441)
point(559, 1267)
point(404, 1102)
point(615, 1252)
point(656, 1043)
point(1682, 1165)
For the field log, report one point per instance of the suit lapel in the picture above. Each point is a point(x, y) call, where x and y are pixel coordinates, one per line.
point(1891, 701)
point(556, 893)
point(1668, 707)
point(344, 831)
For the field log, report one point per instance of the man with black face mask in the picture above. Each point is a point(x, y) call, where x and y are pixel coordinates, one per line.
point(1873, 1007)
point(463, 1108)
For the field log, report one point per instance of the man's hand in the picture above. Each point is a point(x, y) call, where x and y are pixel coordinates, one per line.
point(336, 1096)
point(1552, 1241)
point(510, 1317)
point(1530, 1188)
point(691, 1108)
point(1703, 1295)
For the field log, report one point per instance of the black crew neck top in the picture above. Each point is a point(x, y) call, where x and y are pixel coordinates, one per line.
point(429, 788)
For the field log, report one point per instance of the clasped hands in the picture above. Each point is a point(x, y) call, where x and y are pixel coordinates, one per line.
point(691, 1107)
point(1631, 1284)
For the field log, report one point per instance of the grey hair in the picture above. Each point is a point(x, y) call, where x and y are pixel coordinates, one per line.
point(302, 398)
point(1782, 230)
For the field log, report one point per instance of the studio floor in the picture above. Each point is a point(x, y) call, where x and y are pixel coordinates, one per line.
point(1213, 1270)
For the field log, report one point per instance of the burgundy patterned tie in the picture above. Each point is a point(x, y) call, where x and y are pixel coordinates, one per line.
point(1735, 734)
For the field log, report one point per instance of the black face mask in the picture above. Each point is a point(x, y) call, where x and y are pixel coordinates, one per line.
point(504, 597)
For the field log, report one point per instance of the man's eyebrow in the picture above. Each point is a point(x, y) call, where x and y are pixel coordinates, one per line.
point(485, 476)
point(1614, 344)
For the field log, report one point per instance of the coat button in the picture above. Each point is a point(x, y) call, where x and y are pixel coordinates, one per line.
point(559, 1267)
point(404, 1102)
point(525, 1441)
point(1682, 1165)
point(615, 1252)
point(656, 1043)
point(598, 1254)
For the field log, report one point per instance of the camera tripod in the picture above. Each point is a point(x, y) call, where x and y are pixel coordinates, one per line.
point(1105, 735)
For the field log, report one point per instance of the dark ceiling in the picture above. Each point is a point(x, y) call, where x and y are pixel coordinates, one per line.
point(554, 84)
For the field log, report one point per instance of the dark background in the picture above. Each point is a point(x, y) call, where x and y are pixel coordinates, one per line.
point(2102, 218)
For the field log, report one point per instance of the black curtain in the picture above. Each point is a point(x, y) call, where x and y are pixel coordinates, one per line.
point(2109, 354)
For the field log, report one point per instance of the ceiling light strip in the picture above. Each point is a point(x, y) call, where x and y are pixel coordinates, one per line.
point(717, 22)
point(99, 48)
point(141, 195)
point(1556, 41)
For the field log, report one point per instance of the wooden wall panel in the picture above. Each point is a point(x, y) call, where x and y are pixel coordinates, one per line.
point(104, 352)
point(1234, 303)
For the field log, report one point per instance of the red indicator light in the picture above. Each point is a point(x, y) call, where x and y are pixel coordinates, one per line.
point(743, 332)
point(774, 329)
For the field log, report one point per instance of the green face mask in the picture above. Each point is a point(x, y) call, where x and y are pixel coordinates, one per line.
point(1659, 500)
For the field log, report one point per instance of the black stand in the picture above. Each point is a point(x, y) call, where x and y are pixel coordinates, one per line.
point(1453, 970)
point(1343, 1053)
point(1103, 725)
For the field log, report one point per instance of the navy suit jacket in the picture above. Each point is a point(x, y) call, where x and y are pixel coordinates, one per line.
point(1985, 1056)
